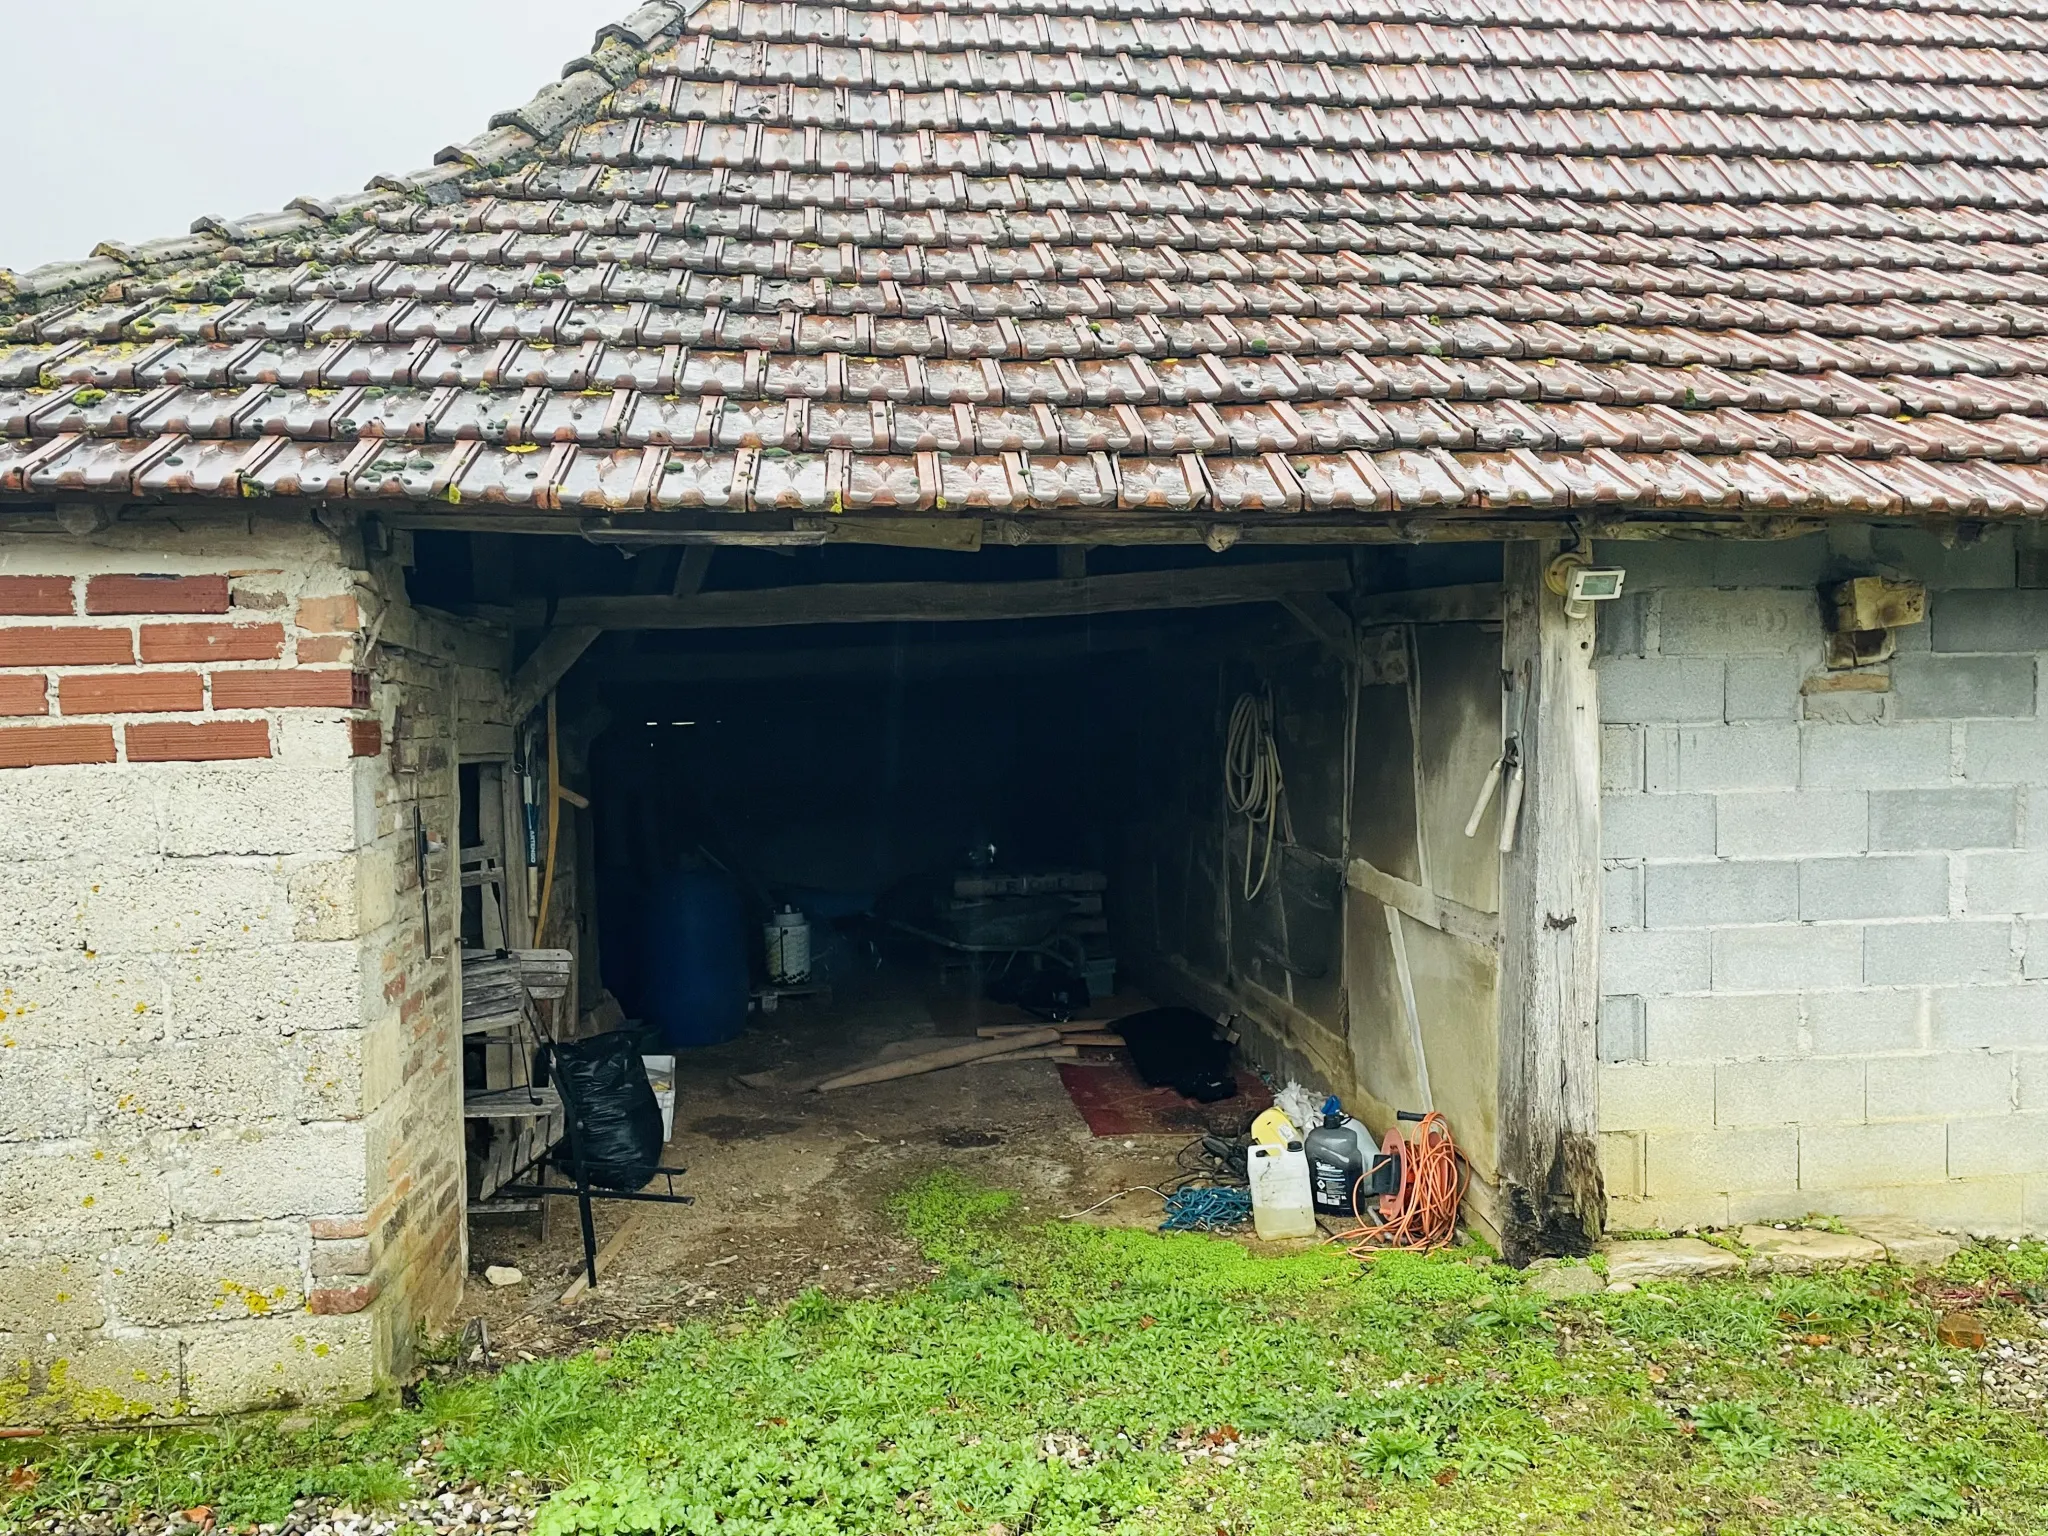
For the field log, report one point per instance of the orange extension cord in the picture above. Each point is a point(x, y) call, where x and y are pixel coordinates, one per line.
point(1423, 1213)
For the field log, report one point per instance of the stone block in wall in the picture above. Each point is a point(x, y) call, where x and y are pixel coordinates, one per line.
point(1657, 826)
point(1776, 823)
point(1865, 1021)
point(2006, 882)
point(1942, 1086)
point(1757, 756)
point(263, 1173)
point(280, 1362)
point(1989, 1018)
point(152, 908)
point(325, 1071)
point(1912, 885)
point(2034, 936)
point(82, 812)
point(2030, 1079)
point(88, 1378)
point(1697, 895)
point(71, 1188)
point(1621, 896)
point(1950, 952)
point(344, 898)
point(1803, 1092)
point(198, 1276)
point(1939, 687)
point(42, 1093)
point(45, 1292)
point(1621, 1165)
point(1620, 1029)
point(179, 1086)
point(343, 1259)
point(2006, 751)
point(1724, 1028)
point(1786, 959)
point(1757, 621)
point(1659, 1096)
point(1642, 963)
point(1880, 757)
point(1764, 687)
point(1945, 819)
point(2012, 620)
point(1990, 562)
point(76, 1002)
point(2001, 1144)
point(256, 808)
point(1621, 759)
point(1679, 1163)
point(285, 989)
point(1622, 626)
point(1900, 1152)
point(1659, 689)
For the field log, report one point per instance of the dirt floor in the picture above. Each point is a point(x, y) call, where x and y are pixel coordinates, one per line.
point(791, 1185)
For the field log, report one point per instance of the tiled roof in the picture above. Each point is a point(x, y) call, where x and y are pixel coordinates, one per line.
point(1120, 259)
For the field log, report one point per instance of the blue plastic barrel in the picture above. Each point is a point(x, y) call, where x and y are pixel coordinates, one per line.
point(693, 964)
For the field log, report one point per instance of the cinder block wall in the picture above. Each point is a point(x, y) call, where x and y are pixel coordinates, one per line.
point(230, 1140)
point(1825, 974)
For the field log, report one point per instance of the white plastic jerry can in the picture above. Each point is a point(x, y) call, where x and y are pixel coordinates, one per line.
point(1283, 1204)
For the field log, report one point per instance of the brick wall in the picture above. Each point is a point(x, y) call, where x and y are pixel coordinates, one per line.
point(230, 1138)
point(1825, 971)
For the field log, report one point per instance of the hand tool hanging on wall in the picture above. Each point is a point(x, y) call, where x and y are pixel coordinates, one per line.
point(1506, 769)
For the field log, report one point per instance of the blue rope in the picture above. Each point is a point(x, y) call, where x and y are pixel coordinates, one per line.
point(1200, 1209)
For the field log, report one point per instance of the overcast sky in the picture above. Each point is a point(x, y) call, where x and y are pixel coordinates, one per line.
point(128, 119)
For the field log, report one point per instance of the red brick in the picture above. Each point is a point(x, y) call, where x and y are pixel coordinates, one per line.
point(340, 1300)
point(41, 595)
point(50, 646)
point(156, 594)
point(329, 615)
point(215, 740)
point(24, 696)
point(35, 746)
point(340, 1227)
point(130, 693)
point(212, 642)
point(316, 648)
point(291, 688)
point(365, 738)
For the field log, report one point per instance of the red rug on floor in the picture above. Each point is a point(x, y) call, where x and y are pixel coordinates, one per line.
point(1114, 1101)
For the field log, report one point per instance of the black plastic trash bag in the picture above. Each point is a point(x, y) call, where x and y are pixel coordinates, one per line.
point(1177, 1048)
point(615, 1121)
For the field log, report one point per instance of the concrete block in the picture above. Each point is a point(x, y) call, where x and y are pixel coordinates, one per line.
point(1661, 1097)
point(1620, 1029)
point(1946, 819)
point(199, 1083)
point(76, 1187)
point(1799, 1251)
point(1987, 1206)
point(1963, 687)
point(344, 898)
point(1908, 1243)
point(1989, 1018)
point(1620, 626)
point(1763, 687)
point(1772, 562)
point(49, 1293)
point(2031, 1079)
point(179, 906)
point(1621, 759)
point(1667, 1213)
point(1865, 1021)
point(1639, 962)
point(1657, 826)
point(1738, 756)
point(281, 1362)
point(1659, 689)
point(98, 1003)
point(206, 1276)
point(2011, 620)
point(256, 809)
point(1904, 886)
point(89, 1377)
point(1720, 1162)
point(1621, 1164)
point(79, 812)
point(325, 1072)
point(1621, 896)
point(1838, 706)
point(1939, 1087)
point(1953, 951)
point(1721, 891)
point(42, 1094)
point(1902, 1152)
point(1722, 1028)
point(1872, 756)
point(2005, 751)
point(1654, 563)
point(2006, 882)
point(1660, 759)
point(1754, 621)
point(272, 1171)
point(1788, 1092)
point(2034, 936)
point(1788, 958)
point(2000, 1144)
point(1916, 553)
point(284, 990)
point(1670, 1258)
point(1781, 822)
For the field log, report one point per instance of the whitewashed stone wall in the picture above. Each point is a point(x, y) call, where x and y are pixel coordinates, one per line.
point(1826, 964)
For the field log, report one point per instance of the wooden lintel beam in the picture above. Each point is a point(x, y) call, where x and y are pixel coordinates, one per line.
point(1321, 617)
point(1477, 601)
point(559, 650)
point(919, 602)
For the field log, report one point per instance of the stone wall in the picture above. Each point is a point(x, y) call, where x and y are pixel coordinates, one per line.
point(1825, 970)
point(230, 1136)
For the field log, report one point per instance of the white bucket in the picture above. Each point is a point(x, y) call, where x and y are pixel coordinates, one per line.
point(787, 938)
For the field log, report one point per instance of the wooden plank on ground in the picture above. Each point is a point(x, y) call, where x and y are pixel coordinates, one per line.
point(606, 1254)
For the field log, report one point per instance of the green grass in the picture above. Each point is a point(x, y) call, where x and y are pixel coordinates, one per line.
point(1064, 1379)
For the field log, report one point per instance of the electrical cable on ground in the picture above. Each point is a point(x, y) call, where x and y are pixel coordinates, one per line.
point(1135, 1189)
point(1252, 784)
point(1422, 1214)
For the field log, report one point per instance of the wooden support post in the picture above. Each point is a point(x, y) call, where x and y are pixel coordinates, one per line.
point(559, 650)
point(1552, 1196)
